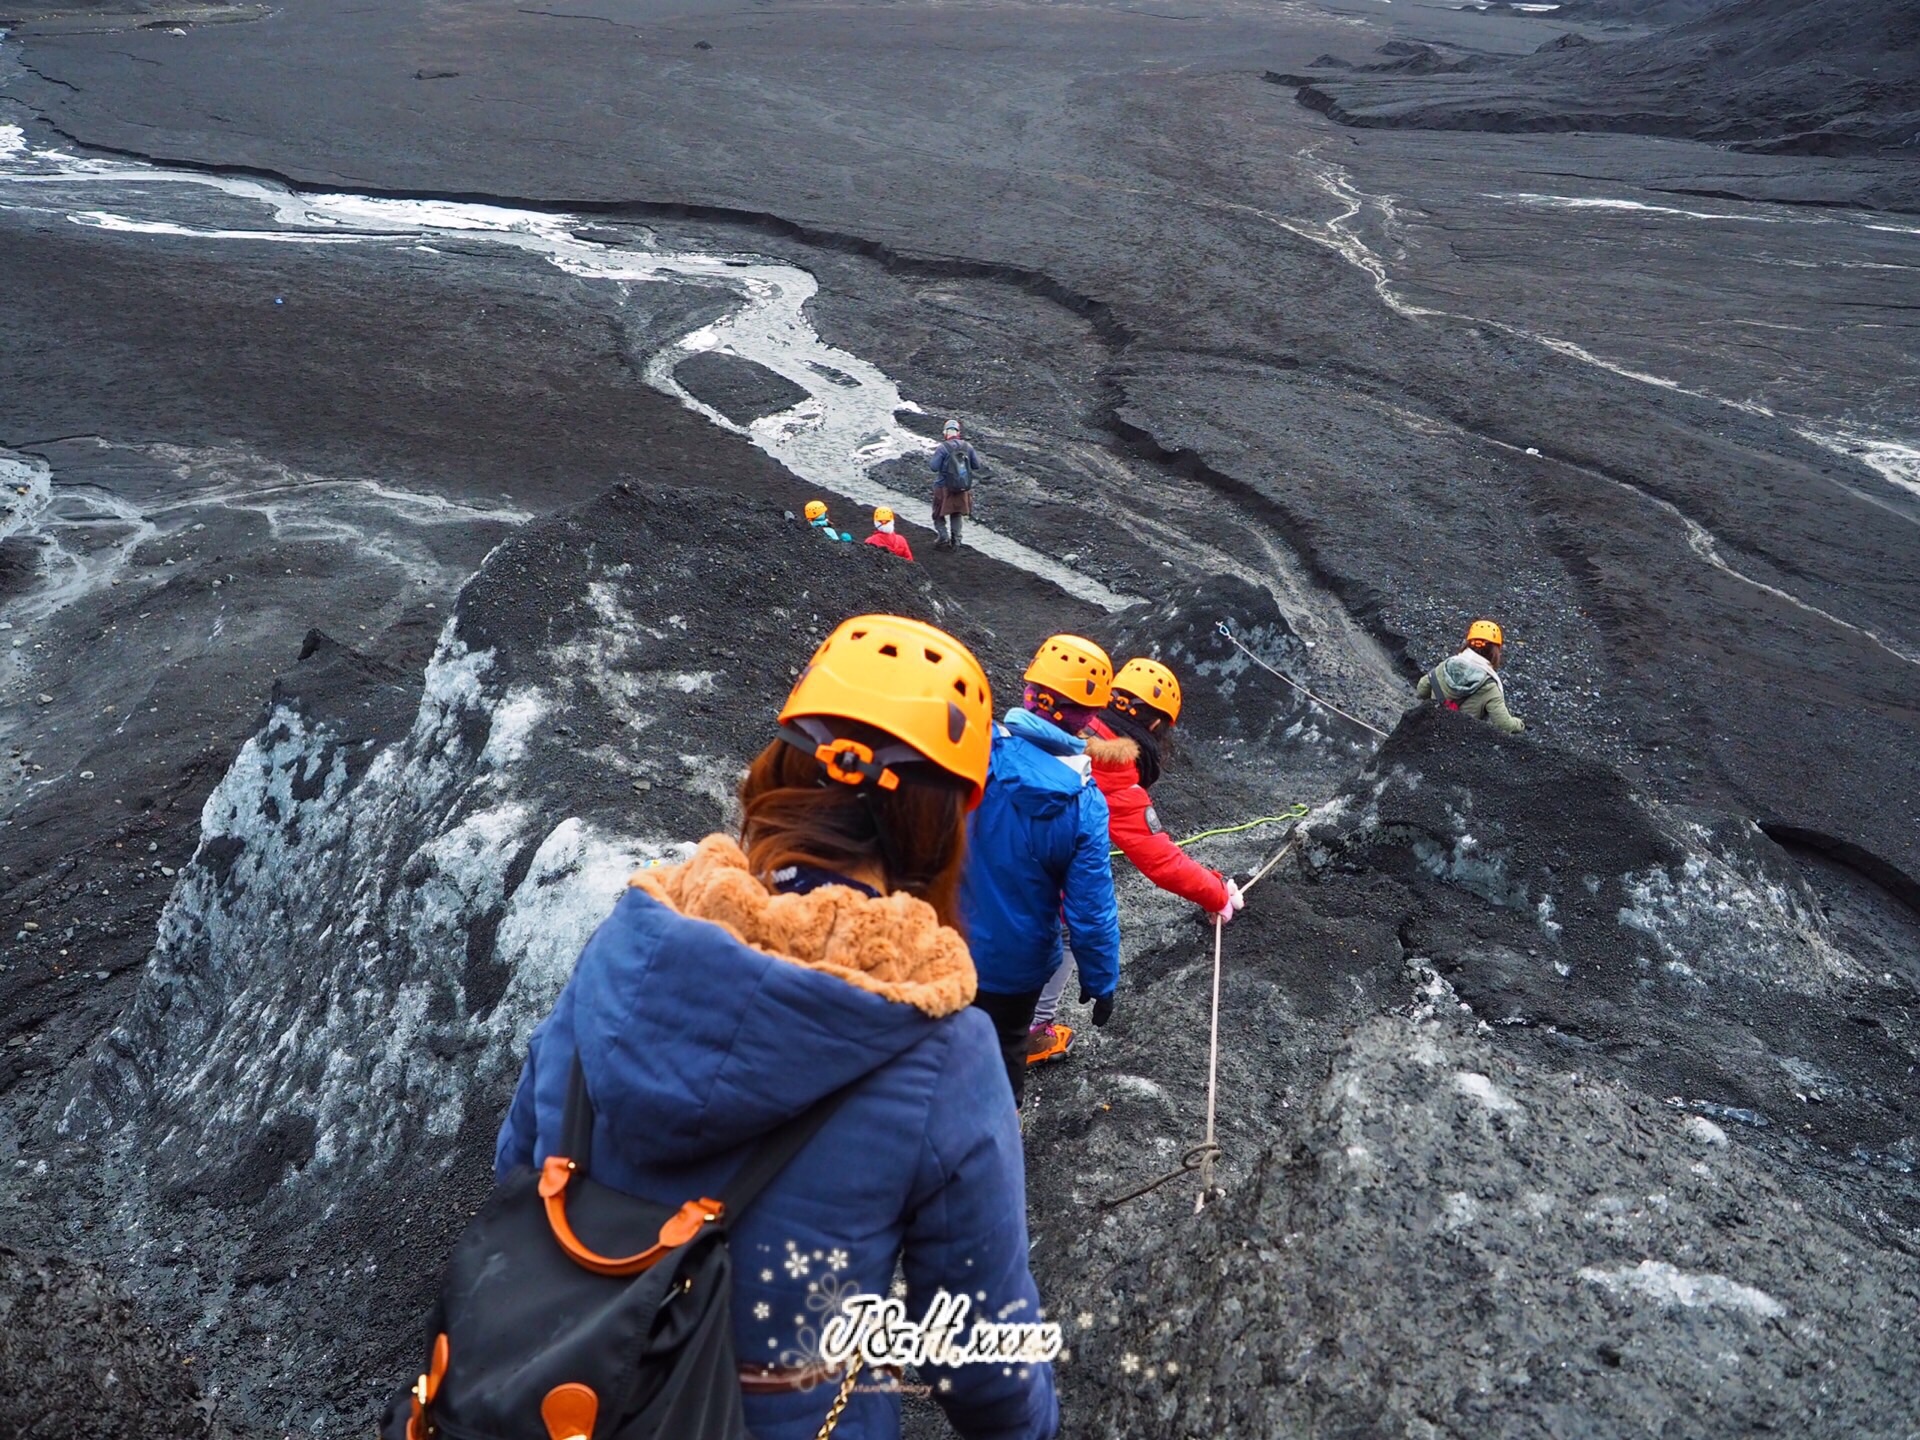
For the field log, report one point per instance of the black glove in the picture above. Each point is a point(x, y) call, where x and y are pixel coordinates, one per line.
point(1102, 1008)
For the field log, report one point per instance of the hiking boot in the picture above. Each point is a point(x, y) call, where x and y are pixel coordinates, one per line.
point(1048, 1042)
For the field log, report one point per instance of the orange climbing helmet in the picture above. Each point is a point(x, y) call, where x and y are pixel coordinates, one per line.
point(816, 509)
point(1147, 682)
point(1484, 632)
point(905, 678)
point(1073, 671)
point(882, 515)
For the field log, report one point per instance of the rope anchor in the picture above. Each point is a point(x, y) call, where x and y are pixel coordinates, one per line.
point(1189, 1162)
point(1202, 1156)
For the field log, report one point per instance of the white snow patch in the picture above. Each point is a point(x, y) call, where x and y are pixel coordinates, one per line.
point(1658, 1281)
point(13, 141)
point(1474, 870)
point(513, 721)
point(453, 679)
point(1143, 1087)
point(1480, 1087)
point(313, 917)
point(1711, 921)
point(576, 878)
point(1426, 1052)
point(1700, 1128)
point(1460, 1210)
point(472, 854)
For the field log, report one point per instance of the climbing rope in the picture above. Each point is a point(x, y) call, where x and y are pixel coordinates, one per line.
point(1209, 1147)
point(1262, 873)
point(1228, 635)
point(1295, 812)
point(1201, 1157)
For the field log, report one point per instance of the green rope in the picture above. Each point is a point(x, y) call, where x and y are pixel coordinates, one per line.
point(1295, 812)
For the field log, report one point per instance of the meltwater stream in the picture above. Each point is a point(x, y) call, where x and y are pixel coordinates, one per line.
point(1371, 233)
point(833, 438)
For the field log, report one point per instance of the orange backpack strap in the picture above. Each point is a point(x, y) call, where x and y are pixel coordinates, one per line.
point(764, 1162)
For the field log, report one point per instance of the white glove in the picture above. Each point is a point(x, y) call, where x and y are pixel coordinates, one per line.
point(1236, 902)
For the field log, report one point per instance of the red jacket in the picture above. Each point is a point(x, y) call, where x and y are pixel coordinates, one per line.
point(1136, 829)
point(896, 543)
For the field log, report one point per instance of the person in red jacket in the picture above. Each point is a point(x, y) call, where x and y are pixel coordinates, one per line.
point(884, 536)
point(1123, 742)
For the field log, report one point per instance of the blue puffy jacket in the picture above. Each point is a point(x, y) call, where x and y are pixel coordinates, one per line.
point(695, 1044)
point(1037, 845)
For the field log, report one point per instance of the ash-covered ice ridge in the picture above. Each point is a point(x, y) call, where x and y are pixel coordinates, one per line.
point(321, 967)
point(1707, 899)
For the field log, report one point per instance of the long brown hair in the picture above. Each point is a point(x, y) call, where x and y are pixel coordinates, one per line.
point(916, 834)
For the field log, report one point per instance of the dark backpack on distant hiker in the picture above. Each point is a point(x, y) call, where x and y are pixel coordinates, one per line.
point(539, 1334)
point(958, 474)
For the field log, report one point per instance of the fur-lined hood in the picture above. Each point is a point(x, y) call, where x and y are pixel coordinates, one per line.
point(894, 946)
point(1117, 751)
point(706, 1010)
point(1121, 759)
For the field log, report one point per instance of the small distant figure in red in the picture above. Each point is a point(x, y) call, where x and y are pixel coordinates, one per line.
point(884, 537)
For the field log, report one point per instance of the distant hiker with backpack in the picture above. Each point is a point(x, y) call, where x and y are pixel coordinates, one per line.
point(886, 538)
point(1123, 743)
point(787, 1012)
point(955, 465)
point(1037, 851)
point(1470, 681)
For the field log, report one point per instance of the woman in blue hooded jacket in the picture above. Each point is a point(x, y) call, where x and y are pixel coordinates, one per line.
point(723, 997)
point(1040, 852)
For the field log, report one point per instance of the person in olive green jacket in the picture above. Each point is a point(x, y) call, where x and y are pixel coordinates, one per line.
point(1470, 681)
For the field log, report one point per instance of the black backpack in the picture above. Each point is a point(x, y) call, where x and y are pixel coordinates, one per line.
point(538, 1334)
point(960, 473)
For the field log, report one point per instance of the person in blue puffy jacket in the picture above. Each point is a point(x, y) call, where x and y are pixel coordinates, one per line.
point(724, 996)
point(1039, 849)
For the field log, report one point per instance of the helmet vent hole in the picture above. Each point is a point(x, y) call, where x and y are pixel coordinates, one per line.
point(960, 689)
point(933, 656)
point(956, 722)
point(892, 652)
